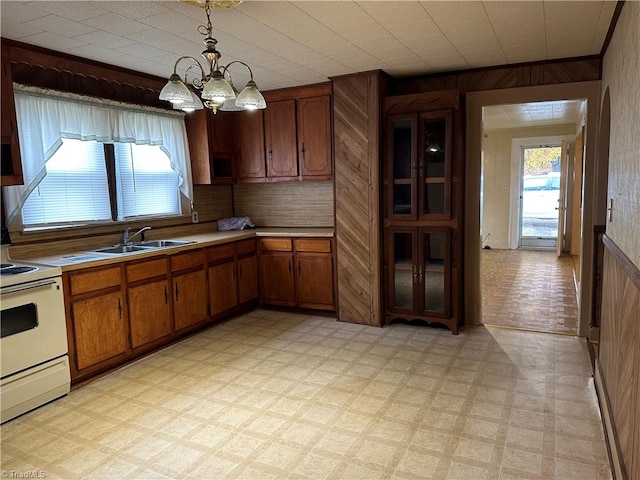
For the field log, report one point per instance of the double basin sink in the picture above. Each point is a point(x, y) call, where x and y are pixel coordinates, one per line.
point(141, 246)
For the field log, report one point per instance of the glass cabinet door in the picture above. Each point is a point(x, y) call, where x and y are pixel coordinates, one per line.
point(435, 165)
point(434, 271)
point(403, 270)
point(401, 173)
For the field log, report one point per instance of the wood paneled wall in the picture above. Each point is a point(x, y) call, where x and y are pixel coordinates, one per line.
point(619, 354)
point(356, 120)
point(285, 204)
point(525, 75)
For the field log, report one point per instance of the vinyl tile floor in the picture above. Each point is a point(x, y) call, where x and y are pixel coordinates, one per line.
point(272, 395)
point(530, 290)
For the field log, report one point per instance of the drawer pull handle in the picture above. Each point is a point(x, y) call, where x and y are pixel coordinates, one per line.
point(166, 295)
point(177, 292)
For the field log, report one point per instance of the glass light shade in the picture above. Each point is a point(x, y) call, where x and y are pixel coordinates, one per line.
point(175, 91)
point(217, 89)
point(250, 98)
point(190, 106)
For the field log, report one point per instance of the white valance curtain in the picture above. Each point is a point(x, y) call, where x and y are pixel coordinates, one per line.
point(45, 117)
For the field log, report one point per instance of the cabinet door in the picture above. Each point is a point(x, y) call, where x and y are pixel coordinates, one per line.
point(149, 312)
point(434, 272)
point(314, 281)
point(434, 174)
point(221, 129)
point(401, 176)
point(100, 332)
point(197, 125)
point(314, 136)
point(10, 156)
point(276, 279)
point(223, 294)
point(402, 270)
point(280, 136)
point(249, 128)
point(190, 299)
point(211, 147)
point(247, 279)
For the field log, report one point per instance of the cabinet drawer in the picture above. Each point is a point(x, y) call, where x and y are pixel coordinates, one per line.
point(221, 253)
point(319, 245)
point(185, 260)
point(84, 282)
point(276, 244)
point(143, 270)
point(246, 247)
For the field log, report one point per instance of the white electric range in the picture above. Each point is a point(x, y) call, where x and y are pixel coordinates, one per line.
point(34, 366)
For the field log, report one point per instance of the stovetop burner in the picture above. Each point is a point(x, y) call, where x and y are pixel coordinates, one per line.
point(6, 265)
point(16, 270)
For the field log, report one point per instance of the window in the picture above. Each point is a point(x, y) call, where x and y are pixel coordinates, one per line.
point(76, 187)
point(86, 159)
point(147, 184)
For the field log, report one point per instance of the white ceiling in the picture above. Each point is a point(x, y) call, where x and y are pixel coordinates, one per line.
point(532, 114)
point(289, 43)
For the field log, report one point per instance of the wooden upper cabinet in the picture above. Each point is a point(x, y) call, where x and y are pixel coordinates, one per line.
point(197, 125)
point(280, 139)
point(249, 127)
point(11, 162)
point(221, 129)
point(314, 136)
point(211, 147)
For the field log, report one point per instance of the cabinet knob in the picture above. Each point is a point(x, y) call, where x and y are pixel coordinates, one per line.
point(303, 151)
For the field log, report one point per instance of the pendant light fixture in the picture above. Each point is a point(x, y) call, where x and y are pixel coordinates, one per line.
point(215, 90)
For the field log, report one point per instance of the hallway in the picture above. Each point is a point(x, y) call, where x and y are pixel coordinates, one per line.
point(529, 290)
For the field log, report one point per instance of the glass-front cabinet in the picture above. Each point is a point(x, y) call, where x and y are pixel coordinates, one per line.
point(423, 183)
point(418, 265)
point(418, 172)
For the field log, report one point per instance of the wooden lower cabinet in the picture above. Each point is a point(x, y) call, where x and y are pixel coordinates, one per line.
point(276, 279)
point(315, 281)
point(232, 275)
point(149, 312)
point(190, 299)
point(148, 301)
point(189, 289)
point(99, 330)
point(297, 272)
point(223, 294)
point(248, 279)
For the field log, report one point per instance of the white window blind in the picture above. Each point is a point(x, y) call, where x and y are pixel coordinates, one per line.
point(75, 188)
point(147, 183)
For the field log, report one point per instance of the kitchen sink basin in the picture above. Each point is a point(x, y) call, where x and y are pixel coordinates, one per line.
point(163, 243)
point(122, 249)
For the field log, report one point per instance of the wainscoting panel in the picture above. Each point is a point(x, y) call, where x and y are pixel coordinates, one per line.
point(619, 355)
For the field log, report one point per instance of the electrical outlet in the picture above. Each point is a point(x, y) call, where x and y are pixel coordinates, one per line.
point(194, 217)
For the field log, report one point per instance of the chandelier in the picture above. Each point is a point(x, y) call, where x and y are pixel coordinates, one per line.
point(216, 91)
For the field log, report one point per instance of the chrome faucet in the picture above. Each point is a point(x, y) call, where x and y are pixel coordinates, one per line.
point(126, 238)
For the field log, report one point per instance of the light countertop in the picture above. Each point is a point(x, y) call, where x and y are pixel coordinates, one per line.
point(85, 259)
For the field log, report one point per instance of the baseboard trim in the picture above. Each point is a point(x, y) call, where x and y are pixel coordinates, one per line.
point(610, 436)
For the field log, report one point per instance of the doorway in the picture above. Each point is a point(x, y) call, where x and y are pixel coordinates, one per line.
point(476, 158)
point(539, 195)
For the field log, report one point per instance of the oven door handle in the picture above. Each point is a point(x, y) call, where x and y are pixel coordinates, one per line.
point(28, 286)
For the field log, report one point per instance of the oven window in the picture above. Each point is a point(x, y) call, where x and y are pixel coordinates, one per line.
point(19, 319)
